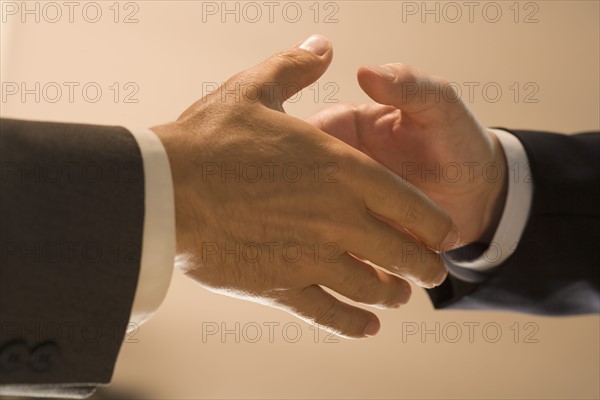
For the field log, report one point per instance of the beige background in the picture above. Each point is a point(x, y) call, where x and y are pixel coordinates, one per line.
point(171, 51)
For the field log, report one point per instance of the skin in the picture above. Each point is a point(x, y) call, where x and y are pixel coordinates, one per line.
point(334, 222)
point(420, 123)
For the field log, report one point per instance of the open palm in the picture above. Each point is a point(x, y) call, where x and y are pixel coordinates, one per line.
point(422, 131)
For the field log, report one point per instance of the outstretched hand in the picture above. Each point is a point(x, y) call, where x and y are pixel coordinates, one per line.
point(422, 131)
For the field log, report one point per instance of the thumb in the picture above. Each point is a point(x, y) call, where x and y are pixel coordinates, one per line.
point(420, 96)
point(284, 74)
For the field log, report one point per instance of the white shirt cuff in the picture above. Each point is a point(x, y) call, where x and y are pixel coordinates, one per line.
point(516, 210)
point(158, 242)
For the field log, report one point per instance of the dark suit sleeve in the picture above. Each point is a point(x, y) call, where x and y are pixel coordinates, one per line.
point(555, 267)
point(72, 211)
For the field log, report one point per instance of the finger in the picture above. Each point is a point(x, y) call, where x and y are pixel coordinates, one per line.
point(395, 251)
point(282, 75)
point(361, 282)
point(316, 306)
point(350, 122)
point(338, 121)
point(420, 96)
point(397, 201)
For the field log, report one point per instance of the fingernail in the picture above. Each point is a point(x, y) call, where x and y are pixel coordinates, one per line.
point(452, 240)
point(316, 44)
point(383, 71)
point(372, 328)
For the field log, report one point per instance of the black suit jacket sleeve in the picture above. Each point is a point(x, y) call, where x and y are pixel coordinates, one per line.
point(555, 267)
point(72, 212)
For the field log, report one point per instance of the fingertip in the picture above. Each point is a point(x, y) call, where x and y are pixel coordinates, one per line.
point(372, 328)
point(316, 44)
point(435, 275)
point(366, 77)
point(378, 82)
point(405, 292)
point(381, 71)
point(441, 277)
point(452, 239)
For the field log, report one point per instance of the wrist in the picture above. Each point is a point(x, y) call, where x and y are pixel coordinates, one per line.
point(496, 200)
point(168, 134)
point(172, 140)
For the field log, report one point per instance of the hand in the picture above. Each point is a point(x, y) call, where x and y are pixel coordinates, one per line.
point(269, 208)
point(423, 132)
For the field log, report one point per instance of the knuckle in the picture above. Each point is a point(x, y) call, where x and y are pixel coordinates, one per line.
point(366, 286)
point(407, 73)
point(401, 263)
point(351, 110)
point(408, 205)
point(410, 212)
point(347, 173)
point(388, 245)
point(290, 59)
point(400, 258)
point(410, 260)
point(347, 111)
point(335, 226)
point(326, 315)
